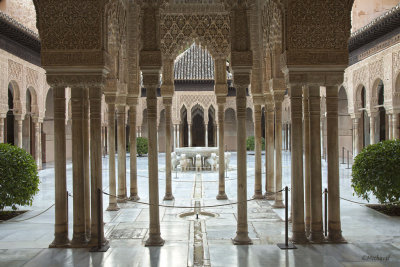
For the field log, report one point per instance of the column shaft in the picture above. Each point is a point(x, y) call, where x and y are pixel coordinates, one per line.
point(269, 152)
point(307, 161)
point(221, 153)
point(1, 130)
point(37, 143)
point(121, 142)
point(357, 141)
point(190, 135)
point(316, 176)
point(19, 132)
point(78, 169)
point(372, 129)
point(86, 140)
point(95, 94)
point(168, 122)
point(297, 192)
point(112, 202)
point(395, 126)
point(390, 121)
point(206, 134)
point(242, 237)
point(133, 160)
point(334, 224)
point(258, 147)
point(278, 153)
point(60, 172)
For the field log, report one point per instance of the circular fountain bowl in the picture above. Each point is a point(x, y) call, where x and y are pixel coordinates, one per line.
point(201, 215)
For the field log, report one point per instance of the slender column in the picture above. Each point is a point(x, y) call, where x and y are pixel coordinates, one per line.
point(357, 141)
point(297, 192)
point(174, 136)
point(86, 140)
point(150, 81)
point(269, 153)
point(190, 134)
point(18, 119)
point(168, 122)
point(1, 128)
point(258, 146)
point(40, 145)
point(372, 128)
point(133, 150)
point(390, 121)
point(206, 134)
point(217, 130)
point(221, 153)
point(278, 150)
point(121, 142)
point(395, 126)
point(316, 176)
point(112, 202)
point(36, 125)
point(242, 237)
point(60, 172)
point(95, 94)
point(334, 224)
point(178, 139)
point(79, 235)
point(307, 161)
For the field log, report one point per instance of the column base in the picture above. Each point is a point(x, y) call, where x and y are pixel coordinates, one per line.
point(112, 207)
point(242, 238)
point(308, 230)
point(79, 240)
point(169, 196)
point(278, 204)
point(336, 237)
point(222, 196)
point(60, 241)
point(258, 195)
point(154, 240)
point(269, 195)
point(299, 238)
point(134, 197)
point(317, 237)
point(121, 199)
point(94, 243)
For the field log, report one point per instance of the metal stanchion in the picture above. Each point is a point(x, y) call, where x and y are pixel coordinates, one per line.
point(286, 245)
point(100, 246)
point(342, 155)
point(348, 160)
point(326, 211)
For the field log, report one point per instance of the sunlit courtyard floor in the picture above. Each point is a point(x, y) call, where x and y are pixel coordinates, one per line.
point(369, 233)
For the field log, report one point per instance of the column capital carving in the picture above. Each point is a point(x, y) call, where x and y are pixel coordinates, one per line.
point(110, 98)
point(132, 101)
point(279, 96)
point(258, 99)
point(277, 84)
point(324, 78)
point(167, 101)
point(77, 79)
point(151, 78)
point(241, 79)
point(221, 100)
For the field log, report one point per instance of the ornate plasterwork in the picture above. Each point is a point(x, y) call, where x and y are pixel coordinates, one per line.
point(376, 70)
point(179, 30)
point(32, 77)
point(14, 71)
point(396, 62)
point(360, 77)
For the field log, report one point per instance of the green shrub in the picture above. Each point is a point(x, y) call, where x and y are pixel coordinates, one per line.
point(142, 146)
point(376, 171)
point(250, 143)
point(19, 179)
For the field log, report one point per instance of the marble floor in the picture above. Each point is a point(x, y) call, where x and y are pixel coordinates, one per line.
point(373, 238)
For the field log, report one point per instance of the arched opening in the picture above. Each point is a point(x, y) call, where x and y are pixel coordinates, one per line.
point(211, 127)
point(198, 128)
point(382, 118)
point(48, 129)
point(230, 129)
point(28, 142)
point(345, 123)
point(9, 129)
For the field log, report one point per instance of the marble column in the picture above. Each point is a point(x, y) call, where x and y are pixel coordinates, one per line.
point(178, 139)
point(315, 153)
point(36, 125)
point(168, 168)
point(112, 202)
point(297, 191)
point(217, 130)
point(78, 169)
point(40, 145)
point(85, 150)
point(332, 117)
point(133, 150)
point(150, 82)
point(206, 133)
point(390, 122)
point(221, 153)
point(190, 134)
point(242, 235)
point(278, 98)
point(121, 142)
point(395, 126)
point(307, 161)
point(1, 128)
point(18, 119)
point(60, 173)
point(95, 94)
point(357, 141)
point(269, 153)
point(258, 147)
point(372, 128)
point(175, 136)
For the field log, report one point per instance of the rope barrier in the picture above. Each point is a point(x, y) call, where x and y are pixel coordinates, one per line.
point(32, 216)
point(355, 202)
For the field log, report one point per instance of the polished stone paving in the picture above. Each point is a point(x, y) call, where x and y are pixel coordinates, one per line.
point(373, 238)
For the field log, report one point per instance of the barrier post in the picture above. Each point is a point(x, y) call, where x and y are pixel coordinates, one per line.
point(286, 245)
point(326, 211)
point(342, 155)
point(348, 160)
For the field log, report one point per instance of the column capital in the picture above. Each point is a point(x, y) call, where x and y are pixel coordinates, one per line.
point(258, 99)
point(167, 101)
point(279, 96)
point(110, 98)
point(221, 100)
point(132, 101)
